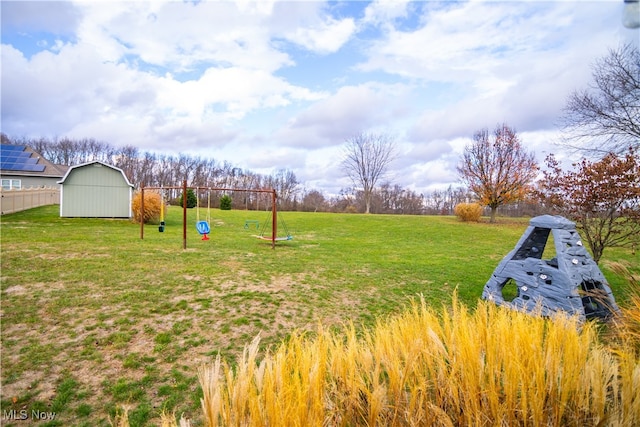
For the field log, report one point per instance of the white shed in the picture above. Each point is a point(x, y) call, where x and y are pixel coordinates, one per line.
point(95, 190)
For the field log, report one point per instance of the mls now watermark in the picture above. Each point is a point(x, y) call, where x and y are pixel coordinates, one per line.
point(23, 415)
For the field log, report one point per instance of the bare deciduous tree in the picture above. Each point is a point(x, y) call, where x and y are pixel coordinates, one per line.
point(605, 117)
point(314, 201)
point(285, 183)
point(497, 170)
point(366, 159)
point(393, 199)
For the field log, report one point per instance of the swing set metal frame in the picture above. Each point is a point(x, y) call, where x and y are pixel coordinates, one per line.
point(184, 188)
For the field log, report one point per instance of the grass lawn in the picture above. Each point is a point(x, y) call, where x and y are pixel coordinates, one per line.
point(93, 317)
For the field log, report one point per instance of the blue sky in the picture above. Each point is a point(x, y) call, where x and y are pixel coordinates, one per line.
point(268, 85)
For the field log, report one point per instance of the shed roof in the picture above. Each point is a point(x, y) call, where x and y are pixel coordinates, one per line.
point(94, 162)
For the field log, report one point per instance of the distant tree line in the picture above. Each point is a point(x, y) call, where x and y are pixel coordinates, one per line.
point(159, 170)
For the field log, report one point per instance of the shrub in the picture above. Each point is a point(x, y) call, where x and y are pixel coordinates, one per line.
point(152, 203)
point(468, 211)
point(192, 200)
point(225, 202)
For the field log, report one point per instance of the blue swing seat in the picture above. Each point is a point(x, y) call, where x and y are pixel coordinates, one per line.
point(203, 227)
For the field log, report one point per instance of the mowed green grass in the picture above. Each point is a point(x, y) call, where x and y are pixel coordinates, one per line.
point(94, 318)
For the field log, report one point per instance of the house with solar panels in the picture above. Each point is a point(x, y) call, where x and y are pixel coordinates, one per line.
point(95, 190)
point(22, 168)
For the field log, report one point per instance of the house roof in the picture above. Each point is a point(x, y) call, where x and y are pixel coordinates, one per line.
point(96, 162)
point(22, 160)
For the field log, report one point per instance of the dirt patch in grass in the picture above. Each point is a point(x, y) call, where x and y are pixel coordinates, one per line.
point(31, 382)
point(275, 284)
point(57, 256)
point(16, 290)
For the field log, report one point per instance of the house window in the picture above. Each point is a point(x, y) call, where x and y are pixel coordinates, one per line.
point(11, 184)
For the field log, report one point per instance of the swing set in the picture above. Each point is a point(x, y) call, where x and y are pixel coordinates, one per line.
point(203, 225)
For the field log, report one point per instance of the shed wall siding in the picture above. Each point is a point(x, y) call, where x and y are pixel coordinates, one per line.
point(96, 191)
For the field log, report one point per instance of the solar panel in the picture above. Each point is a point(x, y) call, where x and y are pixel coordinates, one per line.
point(8, 148)
point(18, 167)
point(33, 168)
point(9, 164)
point(26, 160)
point(16, 155)
point(15, 158)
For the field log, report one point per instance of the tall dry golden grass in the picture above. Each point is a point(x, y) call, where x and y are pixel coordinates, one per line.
point(152, 206)
point(627, 326)
point(629, 323)
point(490, 366)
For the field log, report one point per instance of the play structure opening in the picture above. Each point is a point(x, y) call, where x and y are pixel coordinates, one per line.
point(570, 281)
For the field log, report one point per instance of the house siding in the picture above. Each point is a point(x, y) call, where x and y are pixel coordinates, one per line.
point(34, 181)
point(96, 190)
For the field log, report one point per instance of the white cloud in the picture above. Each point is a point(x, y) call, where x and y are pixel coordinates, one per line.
point(85, 86)
point(231, 92)
point(429, 176)
point(53, 91)
point(351, 110)
point(381, 12)
point(40, 16)
point(182, 35)
point(326, 37)
point(465, 41)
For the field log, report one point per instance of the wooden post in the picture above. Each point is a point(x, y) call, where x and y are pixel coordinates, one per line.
point(142, 211)
point(184, 214)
